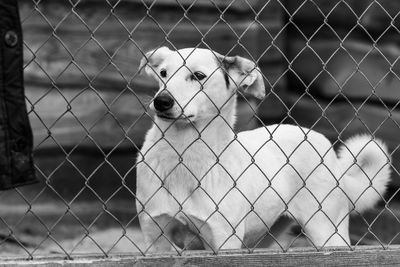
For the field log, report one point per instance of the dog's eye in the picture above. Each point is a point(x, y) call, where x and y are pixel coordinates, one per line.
point(163, 73)
point(198, 76)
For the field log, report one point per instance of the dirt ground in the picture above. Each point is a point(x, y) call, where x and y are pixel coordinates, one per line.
point(50, 228)
point(89, 228)
point(108, 241)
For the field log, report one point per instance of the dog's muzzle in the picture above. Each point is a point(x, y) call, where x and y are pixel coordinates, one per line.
point(163, 102)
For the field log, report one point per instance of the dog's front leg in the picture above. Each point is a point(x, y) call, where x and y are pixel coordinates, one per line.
point(220, 234)
point(157, 232)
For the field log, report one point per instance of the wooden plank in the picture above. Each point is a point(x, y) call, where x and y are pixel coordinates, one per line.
point(99, 62)
point(86, 117)
point(272, 108)
point(80, 174)
point(103, 50)
point(98, 16)
point(236, 6)
point(356, 69)
point(107, 60)
point(233, 5)
point(363, 256)
point(341, 118)
point(374, 16)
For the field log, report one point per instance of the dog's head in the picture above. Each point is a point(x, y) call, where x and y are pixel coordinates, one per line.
point(198, 84)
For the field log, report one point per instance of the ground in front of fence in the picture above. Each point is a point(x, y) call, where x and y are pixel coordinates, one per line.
point(105, 235)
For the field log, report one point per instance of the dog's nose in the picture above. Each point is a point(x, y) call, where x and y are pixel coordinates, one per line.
point(163, 102)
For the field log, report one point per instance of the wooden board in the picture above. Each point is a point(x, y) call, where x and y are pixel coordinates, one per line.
point(356, 70)
point(375, 17)
point(237, 6)
point(72, 117)
point(365, 256)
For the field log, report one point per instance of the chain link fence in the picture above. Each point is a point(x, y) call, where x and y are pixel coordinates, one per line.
point(330, 66)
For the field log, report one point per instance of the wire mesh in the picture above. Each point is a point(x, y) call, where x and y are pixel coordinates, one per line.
point(90, 110)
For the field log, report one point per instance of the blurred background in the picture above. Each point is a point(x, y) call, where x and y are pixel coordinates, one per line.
point(329, 65)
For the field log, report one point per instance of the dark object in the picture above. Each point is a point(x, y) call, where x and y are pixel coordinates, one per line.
point(11, 38)
point(163, 102)
point(16, 161)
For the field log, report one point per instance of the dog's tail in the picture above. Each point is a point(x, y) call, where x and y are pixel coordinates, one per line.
point(365, 166)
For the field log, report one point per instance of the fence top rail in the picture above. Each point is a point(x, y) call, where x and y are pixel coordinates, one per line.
point(359, 256)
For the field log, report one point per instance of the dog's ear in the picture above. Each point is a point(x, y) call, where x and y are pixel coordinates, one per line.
point(152, 59)
point(244, 74)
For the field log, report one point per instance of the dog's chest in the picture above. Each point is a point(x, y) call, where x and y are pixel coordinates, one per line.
point(182, 169)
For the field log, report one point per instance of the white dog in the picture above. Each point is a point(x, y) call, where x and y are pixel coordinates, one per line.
point(230, 188)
